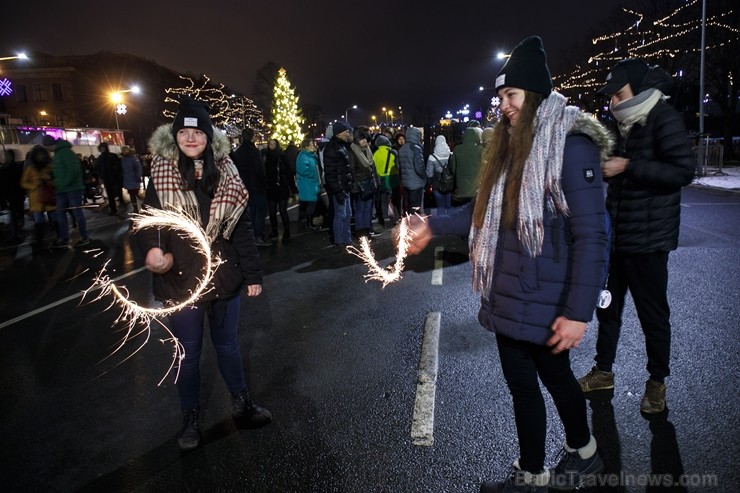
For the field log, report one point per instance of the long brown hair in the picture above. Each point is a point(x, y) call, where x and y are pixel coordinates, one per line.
point(507, 151)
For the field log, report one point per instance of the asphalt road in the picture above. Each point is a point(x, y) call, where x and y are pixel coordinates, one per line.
point(335, 359)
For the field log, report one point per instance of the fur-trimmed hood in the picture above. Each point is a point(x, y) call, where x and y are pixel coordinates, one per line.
point(588, 125)
point(162, 143)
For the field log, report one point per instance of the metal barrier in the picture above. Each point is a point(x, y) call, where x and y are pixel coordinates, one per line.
point(709, 158)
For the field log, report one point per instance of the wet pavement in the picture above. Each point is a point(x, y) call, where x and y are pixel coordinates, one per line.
point(335, 360)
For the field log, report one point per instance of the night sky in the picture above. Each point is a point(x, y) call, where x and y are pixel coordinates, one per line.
point(337, 53)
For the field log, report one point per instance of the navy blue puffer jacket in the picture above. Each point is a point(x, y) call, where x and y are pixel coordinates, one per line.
point(528, 294)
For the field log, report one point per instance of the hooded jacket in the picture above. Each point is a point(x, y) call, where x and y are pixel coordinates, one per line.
point(411, 161)
point(67, 168)
point(386, 164)
point(307, 176)
point(465, 163)
point(240, 262)
point(528, 294)
point(337, 170)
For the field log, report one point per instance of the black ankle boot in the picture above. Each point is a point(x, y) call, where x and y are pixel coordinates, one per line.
point(189, 436)
point(242, 408)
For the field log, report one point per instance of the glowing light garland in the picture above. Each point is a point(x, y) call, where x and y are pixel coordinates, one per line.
point(134, 314)
point(231, 112)
point(388, 274)
point(648, 43)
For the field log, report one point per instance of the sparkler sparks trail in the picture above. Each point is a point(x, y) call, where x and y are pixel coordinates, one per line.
point(388, 274)
point(131, 312)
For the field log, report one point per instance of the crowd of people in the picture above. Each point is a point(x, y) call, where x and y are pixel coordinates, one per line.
point(57, 183)
point(548, 246)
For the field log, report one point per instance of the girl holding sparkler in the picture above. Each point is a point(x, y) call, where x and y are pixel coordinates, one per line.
point(192, 173)
point(539, 237)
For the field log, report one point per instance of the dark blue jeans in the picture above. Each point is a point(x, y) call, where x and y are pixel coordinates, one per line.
point(70, 201)
point(257, 212)
point(443, 202)
point(342, 218)
point(522, 362)
point(187, 325)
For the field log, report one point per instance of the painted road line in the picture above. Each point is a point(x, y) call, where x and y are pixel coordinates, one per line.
point(438, 265)
point(63, 300)
point(422, 425)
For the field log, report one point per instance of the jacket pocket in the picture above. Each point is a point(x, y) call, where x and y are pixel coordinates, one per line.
point(527, 272)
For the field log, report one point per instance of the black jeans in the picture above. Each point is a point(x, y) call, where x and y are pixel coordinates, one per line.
point(273, 207)
point(522, 362)
point(646, 277)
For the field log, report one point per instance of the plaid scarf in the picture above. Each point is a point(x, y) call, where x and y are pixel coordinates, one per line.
point(227, 205)
point(540, 188)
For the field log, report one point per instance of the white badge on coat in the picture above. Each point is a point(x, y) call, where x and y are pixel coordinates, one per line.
point(605, 299)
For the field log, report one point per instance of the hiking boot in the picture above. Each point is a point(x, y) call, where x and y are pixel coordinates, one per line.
point(597, 380)
point(572, 470)
point(243, 408)
point(189, 436)
point(653, 402)
point(83, 241)
point(518, 482)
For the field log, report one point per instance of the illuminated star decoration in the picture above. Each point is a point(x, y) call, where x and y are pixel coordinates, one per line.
point(134, 314)
point(388, 274)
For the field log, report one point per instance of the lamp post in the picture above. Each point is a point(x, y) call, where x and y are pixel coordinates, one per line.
point(372, 119)
point(118, 105)
point(353, 107)
point(400, 115)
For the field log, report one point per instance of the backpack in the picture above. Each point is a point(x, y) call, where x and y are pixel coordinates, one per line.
point(445, 179)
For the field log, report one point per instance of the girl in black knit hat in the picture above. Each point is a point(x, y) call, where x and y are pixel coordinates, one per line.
point(538, 239)
point(192, 173)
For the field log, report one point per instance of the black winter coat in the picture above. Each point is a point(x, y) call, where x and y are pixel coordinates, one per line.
point(644, 202)
point(280, 182)
point(337, 169)
point(248, 162)
point(240, 259)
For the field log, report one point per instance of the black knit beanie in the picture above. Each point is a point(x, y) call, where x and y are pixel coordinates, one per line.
point(526, 68)
point(193, 114)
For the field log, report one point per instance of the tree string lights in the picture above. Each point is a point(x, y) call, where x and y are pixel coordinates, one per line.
point(670, 38)
point(286, 116)
point(228, 111)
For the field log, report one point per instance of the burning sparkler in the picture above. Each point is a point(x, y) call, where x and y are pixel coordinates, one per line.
point(134, 314)
point(388, 274)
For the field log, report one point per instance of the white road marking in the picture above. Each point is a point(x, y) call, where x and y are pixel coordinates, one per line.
point(438, 265)
point(422, 425)
point(62, 301)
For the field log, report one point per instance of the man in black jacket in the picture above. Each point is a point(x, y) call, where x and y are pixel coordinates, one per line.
point(248, 162)
point(644, 201)
point(338, 174)
point(109, 168)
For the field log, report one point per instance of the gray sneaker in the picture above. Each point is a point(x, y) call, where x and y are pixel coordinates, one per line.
point(262, 243)
point(597, 380)
point(83, 241)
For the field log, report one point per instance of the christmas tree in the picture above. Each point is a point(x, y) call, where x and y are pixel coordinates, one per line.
point(286, 116)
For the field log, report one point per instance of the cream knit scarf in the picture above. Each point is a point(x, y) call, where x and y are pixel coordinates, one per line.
point(364, 155)
point(635, 109)
point(540, 188)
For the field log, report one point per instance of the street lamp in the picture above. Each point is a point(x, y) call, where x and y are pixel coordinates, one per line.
point(117, 100)
point(19, 56)
point(390, 114)
point(372, 118)
point(353, 107)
